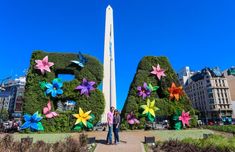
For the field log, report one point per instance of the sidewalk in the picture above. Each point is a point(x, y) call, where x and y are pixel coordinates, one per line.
point(130, 141)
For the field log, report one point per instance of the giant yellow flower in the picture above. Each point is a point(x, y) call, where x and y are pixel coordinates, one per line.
point(82, 117)
point(150, 107)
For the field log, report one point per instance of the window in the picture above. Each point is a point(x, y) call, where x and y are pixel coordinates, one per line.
point(211, 101)
point(210, 95)
point(209, 90)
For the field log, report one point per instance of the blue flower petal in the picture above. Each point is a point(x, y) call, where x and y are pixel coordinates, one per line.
point(60, 85)
point(48, 85)
point(60, 91)
point(26, 125)
point(34, 117)
point(38, 119)
point(54, 93)
point(34, 126)
point(27, 117)
point(48, 91)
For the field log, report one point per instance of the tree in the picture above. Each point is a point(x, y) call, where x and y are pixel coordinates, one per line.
point(4, 115)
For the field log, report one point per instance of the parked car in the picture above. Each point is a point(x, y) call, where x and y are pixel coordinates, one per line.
point(100, 126)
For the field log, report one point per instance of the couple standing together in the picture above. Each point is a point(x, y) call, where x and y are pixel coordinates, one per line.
point(113, 121)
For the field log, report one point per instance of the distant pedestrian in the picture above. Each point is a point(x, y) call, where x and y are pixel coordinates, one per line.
point(116, 124)
point(110, 125)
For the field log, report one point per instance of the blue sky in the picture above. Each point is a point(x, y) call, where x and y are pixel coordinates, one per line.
point(196, 33)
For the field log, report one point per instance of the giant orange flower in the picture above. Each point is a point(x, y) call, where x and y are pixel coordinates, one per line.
point(175, 92)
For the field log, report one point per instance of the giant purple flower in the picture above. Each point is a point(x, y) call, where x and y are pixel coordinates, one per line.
point(86, 87)
point(143, 91)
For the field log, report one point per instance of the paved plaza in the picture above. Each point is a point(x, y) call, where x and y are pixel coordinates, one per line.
point(131, 141)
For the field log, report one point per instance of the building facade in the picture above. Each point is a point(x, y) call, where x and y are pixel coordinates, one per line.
point(230, 75)
point(184, 75)
point(11, 98)
point(210, 95)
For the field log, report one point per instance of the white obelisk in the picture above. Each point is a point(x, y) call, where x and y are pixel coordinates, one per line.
point(109, 81)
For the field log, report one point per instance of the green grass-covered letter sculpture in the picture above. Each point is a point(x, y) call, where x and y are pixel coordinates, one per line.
point(149, 86)
point(35, 98)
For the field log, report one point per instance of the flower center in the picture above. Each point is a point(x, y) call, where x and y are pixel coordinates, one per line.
point(44, 63)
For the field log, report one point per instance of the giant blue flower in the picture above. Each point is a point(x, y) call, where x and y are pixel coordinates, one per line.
point(32, 122)
point(55, 88)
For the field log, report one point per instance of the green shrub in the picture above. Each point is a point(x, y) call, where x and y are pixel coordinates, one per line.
point(194, 145)
point(224, 128)
point(220, 143)
point(161, 96)
point(35, 99)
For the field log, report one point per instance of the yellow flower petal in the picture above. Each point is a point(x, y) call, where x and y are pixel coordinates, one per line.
point(87, 113)
point(152, 104)
point(143, 106)
point(81, 111)
point(145, 111)
point(76, 115)
point(78, 121)
point(148, 102)
point(151, 111)
point(156, 108)
point(84, 122)
point(88, 117)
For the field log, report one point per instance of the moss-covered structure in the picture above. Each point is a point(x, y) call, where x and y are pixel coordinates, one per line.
point(167, 107)
point(35, 98)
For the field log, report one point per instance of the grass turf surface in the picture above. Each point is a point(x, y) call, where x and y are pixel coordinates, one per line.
point(48, 138)
point(163, 135)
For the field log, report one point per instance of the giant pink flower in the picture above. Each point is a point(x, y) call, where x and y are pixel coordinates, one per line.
point(158, 72)
point(185, 117)
point(43, 65)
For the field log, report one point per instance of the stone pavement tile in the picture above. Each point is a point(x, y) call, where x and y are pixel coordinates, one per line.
point(131, 141)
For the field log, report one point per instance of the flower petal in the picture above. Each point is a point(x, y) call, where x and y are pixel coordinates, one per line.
point(27, 117)
point(60, 91)
point(53, 93)
point(152, 112)
point(25, 125)
point(81, 111)
point(34, 126)
point(78, 121)
point(84, 122)
point(49, 85)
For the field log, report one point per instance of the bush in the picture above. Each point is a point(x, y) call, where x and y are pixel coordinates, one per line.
point(4, 114)
point(7, 144)
point(211, 144)
point(35, 99)
point(161, 96)
point(218, 143)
